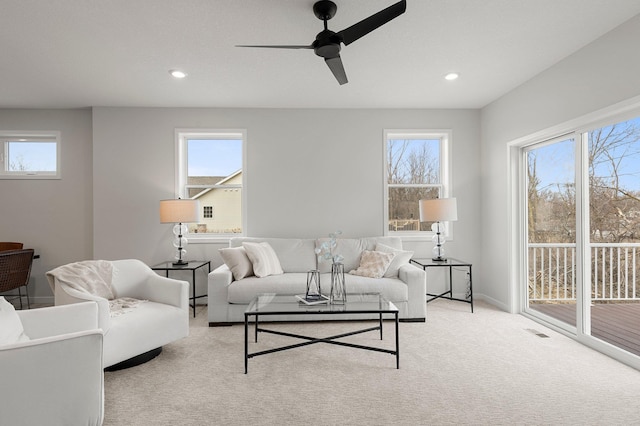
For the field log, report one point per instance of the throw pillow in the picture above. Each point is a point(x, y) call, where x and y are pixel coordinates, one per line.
point(401, 257)
point(373, 264)
point(238, 262)
point(11, 330)
point(264, 259)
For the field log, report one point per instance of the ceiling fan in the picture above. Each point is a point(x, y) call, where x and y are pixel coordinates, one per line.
point(328, 43)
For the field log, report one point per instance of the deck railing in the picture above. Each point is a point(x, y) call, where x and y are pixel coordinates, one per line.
point(404, 225)
point(615, 272)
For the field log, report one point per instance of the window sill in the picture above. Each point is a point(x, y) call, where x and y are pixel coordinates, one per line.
point(217, 239)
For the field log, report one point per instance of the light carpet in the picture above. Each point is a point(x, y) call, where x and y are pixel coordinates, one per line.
point(457, 368)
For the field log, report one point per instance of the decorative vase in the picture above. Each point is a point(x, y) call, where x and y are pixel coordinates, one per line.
point(313, 285)
point(338, 295)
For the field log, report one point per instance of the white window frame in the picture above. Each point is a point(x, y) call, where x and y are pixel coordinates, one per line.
point(444, 187)
point(181, 137)
point(28, 137)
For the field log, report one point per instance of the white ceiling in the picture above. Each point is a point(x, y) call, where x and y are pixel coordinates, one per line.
point(80, 53)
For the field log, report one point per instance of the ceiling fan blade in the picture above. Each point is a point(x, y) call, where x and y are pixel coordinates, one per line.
point(364, 27)
point(276, 47)
point(335, 65)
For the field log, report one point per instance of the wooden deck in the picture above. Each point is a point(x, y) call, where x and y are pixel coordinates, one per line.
point(615, 323)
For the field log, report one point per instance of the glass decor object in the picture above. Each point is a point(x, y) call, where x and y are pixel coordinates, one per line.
point(338, 295)
point(314, 290)
point(179, 211)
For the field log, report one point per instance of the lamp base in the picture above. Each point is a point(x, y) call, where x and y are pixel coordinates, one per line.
point(439, 259)
point(180, 263)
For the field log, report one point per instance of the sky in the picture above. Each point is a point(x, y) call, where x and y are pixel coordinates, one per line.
point(214, 157)
point(36, 156)
point(556, 165)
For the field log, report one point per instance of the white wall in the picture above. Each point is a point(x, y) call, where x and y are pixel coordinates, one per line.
point(310, 172)
point(52, 216)
point(601, 74)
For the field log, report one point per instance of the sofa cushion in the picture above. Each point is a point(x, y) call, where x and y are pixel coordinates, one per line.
point(238, 262)
point(243, 292)
point(373, 264)
point(352, 248)
point(392, 289)
point(294, 254)
point(264, 259)
point(11, 330)
point(292, 283)
point(401, 257)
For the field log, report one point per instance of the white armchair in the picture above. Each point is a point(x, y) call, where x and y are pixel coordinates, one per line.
point(56, 377)
point(138, 335)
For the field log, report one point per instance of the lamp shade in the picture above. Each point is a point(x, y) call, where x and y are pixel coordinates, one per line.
point(438, 210)
point(179, 211)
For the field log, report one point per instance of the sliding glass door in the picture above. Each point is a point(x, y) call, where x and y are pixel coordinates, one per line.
point(614, 233)
point(582, 232)
point(551, 228)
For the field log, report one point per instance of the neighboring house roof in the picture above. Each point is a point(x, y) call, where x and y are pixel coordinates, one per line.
point(221, 182)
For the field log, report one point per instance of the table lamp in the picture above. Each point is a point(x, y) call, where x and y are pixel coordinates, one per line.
point(180, 212)
point(438, 210)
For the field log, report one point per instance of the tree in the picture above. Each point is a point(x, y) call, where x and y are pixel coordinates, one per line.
point(19, 164)
point(614, 209)
point(411, 165)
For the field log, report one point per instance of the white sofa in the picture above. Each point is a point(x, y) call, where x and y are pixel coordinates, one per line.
point(162, 319)
point(228, 298)
point(55, 376)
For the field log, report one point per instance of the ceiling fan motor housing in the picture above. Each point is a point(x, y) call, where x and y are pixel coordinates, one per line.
point(327, 44)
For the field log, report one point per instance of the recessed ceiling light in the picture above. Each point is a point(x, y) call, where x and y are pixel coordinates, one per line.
point(451, 76)
point(178, 73)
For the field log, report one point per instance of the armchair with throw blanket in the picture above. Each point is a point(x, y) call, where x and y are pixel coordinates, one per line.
point(139, 310)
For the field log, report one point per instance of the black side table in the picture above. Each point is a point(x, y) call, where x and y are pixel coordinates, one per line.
point(192, 266)
point(450, 263)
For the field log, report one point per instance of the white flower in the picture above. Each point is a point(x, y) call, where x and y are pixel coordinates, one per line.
point(325, 251)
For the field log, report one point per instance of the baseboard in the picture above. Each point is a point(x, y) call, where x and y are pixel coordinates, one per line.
point(492, 301)
point(412, 320)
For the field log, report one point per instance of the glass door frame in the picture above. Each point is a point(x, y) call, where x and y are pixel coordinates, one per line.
point(523, 246)
point(517, 226)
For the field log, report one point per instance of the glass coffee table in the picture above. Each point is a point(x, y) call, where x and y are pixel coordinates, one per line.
point(270, 304)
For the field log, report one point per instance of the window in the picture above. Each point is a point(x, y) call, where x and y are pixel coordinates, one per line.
point(28, 155)
point(210, 169)
point(416, 167)
point(208, 212)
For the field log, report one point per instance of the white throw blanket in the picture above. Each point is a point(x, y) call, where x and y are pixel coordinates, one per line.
point(89, 276)
point(93, 277)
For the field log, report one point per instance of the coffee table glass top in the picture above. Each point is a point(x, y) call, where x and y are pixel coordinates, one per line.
point(272, 303)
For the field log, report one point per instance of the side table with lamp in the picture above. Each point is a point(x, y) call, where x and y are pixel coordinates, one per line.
point(439, 210)
point(180, 212)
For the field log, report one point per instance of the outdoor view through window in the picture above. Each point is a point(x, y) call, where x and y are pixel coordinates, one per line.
point(414, 172)
point(611, 240)
point(22, 157)
point(213, 176)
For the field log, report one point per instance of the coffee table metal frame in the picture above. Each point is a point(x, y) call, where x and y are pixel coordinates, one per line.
point(288, 305)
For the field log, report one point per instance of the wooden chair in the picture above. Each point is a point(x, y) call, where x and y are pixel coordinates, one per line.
point(5, 245)
point(15, 270)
